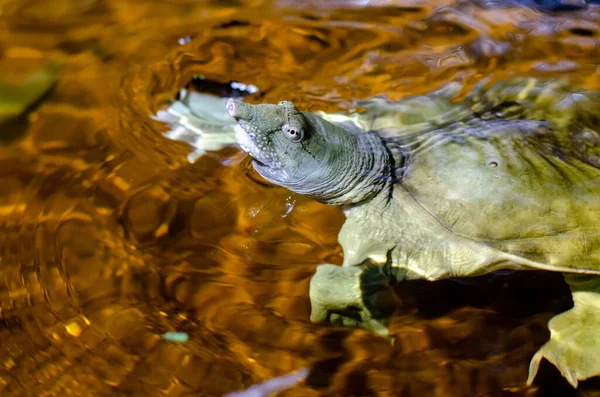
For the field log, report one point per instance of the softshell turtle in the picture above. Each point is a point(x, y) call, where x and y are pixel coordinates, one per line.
point(508, 177)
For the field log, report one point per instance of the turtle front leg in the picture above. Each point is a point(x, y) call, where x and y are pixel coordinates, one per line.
point(200, 120)
point(574, 345)
point(352, 296)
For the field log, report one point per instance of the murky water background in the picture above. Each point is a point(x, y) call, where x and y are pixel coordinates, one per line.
point(109, 237)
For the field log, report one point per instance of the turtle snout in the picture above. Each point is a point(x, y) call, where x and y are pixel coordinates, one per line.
point(238, 109)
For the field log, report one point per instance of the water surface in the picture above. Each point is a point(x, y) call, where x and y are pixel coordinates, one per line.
point(109, 237)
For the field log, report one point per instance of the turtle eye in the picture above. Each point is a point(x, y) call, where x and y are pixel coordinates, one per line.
point(292, 133)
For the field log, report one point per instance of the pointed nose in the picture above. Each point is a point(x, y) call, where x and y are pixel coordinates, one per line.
point(237, 109)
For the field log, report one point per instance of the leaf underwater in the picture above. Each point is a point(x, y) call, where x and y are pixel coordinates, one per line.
point(19, 92)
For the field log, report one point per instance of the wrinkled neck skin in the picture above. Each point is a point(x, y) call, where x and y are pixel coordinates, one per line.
point(356, 167)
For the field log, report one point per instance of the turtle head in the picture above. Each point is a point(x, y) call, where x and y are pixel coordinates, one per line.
point(279, 138)
point(307, 154)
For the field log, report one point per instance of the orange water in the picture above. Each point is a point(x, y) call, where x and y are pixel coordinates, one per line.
point(109, 237)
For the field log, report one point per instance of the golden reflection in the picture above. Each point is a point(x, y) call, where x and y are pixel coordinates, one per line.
point(110, 238)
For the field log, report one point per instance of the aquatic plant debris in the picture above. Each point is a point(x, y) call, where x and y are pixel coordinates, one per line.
point(179, 337)
point(271, 386)
point(20, 90)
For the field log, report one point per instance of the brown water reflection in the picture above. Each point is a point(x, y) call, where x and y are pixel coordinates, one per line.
point(109, 237)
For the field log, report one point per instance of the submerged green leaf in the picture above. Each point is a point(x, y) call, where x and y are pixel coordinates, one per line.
point(19, 94)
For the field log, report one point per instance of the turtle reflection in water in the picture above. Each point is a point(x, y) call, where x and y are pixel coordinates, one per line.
point(509, 177)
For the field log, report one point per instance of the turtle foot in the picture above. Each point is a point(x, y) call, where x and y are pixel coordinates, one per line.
point(574, 345)
point(199, 120)
point(352, 296)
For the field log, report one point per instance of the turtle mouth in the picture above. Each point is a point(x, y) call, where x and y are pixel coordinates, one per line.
point(259, 160)
point(267, 167)
point(258, 163)
point(276, 175)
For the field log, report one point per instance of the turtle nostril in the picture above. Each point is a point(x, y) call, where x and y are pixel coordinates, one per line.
point(231, 109)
